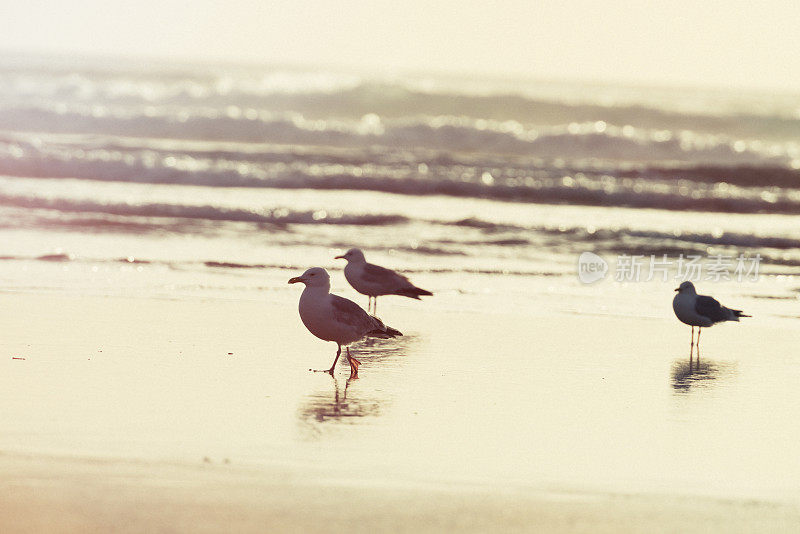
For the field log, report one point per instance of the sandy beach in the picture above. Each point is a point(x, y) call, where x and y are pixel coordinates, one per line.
point(200, 415)
point(45, 494)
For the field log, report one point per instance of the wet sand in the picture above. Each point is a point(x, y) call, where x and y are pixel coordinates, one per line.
point(147, 415)
point(43, 494)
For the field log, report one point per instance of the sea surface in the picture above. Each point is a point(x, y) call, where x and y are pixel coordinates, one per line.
point(203, 182)
point(259, 167)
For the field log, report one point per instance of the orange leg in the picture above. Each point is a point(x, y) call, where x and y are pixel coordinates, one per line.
point(353, 364)
point(330, 371)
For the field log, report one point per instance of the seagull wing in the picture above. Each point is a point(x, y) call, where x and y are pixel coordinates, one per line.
point(351, 314)
point(387, 278)
point(711, 308)
point(347, 312)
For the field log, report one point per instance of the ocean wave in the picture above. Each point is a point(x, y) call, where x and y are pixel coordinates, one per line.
point(624, 238)
point(85, 214)
point(766, 260)
point(413, 148)
point(742, 175)
point(223, 264)
point(548, 186)
point(621, 240)
point(275, 216)
point(600, 139)
point(323, 95)
point(397, 100)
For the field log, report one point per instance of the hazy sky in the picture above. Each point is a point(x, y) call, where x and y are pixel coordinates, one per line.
point(738, 43)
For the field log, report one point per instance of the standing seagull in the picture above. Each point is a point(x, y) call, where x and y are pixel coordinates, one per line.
point(700, 310)
point(374, 280)
point(337, 319)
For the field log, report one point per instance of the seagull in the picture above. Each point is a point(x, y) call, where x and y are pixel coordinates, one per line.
point(700, 310)
point(334, 318)
point(374, 280)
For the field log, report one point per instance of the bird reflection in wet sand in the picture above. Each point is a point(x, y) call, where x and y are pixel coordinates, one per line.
point(350, 401)
point(337, 404)
point(689, 373)
point(389, 351)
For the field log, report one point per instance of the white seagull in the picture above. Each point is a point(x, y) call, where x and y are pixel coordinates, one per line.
point(337, 319)
point(700, 310)
point(374, 280)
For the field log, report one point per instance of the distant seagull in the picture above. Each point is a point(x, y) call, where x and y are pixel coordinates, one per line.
point(700, 310)
point(337, 319)
point(374, 280)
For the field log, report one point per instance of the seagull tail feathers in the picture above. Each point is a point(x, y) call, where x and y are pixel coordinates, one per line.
point(385, 334)
point(414, 292)
point(382, 331)
point(733, 315)
point(393, 332)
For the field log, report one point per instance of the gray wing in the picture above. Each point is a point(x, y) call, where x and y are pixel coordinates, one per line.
point(375, 274)
point(711, 308)
point(348, 312)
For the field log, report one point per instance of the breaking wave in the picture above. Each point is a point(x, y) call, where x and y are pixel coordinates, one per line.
point(279, 216)
point(588, 139)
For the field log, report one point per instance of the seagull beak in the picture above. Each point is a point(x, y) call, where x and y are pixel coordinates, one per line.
point(339, 258)
point(296, 279)
point(677, 289)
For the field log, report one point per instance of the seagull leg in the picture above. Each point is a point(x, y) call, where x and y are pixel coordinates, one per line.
point(375, 308)
point(691, 346)
point(353, 364)
point(330, 371)
point(699, 329)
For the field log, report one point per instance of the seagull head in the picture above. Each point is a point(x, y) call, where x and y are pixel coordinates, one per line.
point(353, 255)
point(686, 287)
point(314, 277)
